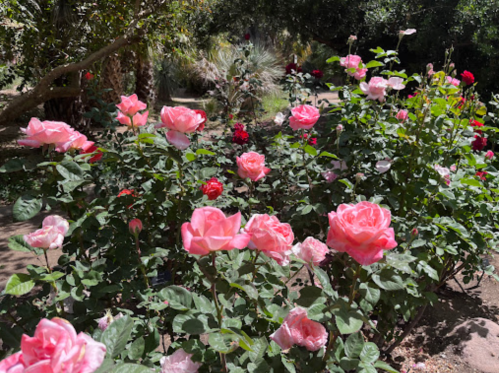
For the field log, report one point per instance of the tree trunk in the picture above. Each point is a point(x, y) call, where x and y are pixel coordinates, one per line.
point(144, 73)
point(112, 79)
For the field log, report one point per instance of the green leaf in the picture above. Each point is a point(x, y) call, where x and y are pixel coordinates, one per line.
point(19, 284)
point(106, 366)
point(70, 171)
point(26, 207)
point(354, 345)
point(333, 59)
point(472, 182)
point(131, 368)
point(370, 353)
point(116, 336)
point(309, 295)
point(382, 365)
point(136, 349)
point(223, 343)
point(17, 243)
point(306, 210)
point(178, 298)
point(374, 63)
point(190, 156)
point(188, 325)
point(348, 322)
point(12, 165)
point(310, 150)
point(327, 154)
point(205, 152)
point(387, 279)
point(369, 293)
point(51, 277)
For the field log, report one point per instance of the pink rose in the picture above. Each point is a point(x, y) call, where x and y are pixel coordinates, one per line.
point(135, 226)
point(130, 105)
point(489, 154)
point(453, 168)
point(124, 119)
point(108, 319)
point(303, 117)
point(55, 348)
point(402, 115)
point(138, 120)
point(311, 251)
point(51, 235)
point(395, 83)
point(179, 120)
point(362, 230)
point(409, 31)
point(453, 81)
point(298, 329)
point(270, 236)
point(359, 74)
point(252, 165)
point(76, 141)
point(12, 364)
point(353, 61)
point(383, 166)
point(209, 230)
point(45, 133)
point(330, 176)
point(179, 362)
point(376, 89)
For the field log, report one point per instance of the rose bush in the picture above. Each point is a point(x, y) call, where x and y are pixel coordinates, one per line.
point(214, 284)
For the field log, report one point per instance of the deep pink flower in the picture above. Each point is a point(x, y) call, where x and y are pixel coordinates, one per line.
point(376, 89)
point(135, 226)
point(252, 165)
point(317, 74)
point(453, 81)
point(91, 150)
point(482, 175)
point(402, 115)
point(209, 230)
point(468, 77)
point(270, 236)
point(298, 329)
point(203, 115)
point(362, 230)
point(304, 117)
point(55, 348)
point(130, 105)
point(479, 143)
point(489, 154)
point(51, 235)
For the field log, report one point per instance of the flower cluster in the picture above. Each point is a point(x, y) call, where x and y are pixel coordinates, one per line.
point(240, 136)
point(129, 112)
point(353, 66)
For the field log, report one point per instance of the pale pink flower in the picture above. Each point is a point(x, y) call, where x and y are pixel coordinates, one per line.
point(383, 166)
point(76, 141)
point(130, 105)
point(252, 165)
point(303, 117)
point(395, 83)
point(330, 176)
point(108, 319)
point(402, 115)
point(339, 127)
point(430, 70)
point(298, 329)
point(489, 154)
point(55, 348)
point(45, 133)
point(453, 81)
point(352, 38)
point(51, 235)
point(409, 31)
point(210, 230)
point(444, 172)
point(179, 362)
point(362, 230)
point(376, 89)
point(270, 236)
point(279, 119)
point(360, 74)
point(138, 120)
point(311, 251)
point(353, 61)
point(453, 168)
point(179, 120)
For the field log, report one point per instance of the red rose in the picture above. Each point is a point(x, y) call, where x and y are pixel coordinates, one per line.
point(479, 143)
point(238, 127)
point(311, 141)
point(205, 118)
point(475, 123)
point(293, 67)
point(247, 36)
point(317, 74)
point(91, 150)
point(240, 137)
point(231, 116)
point(128, 192)
point(468, 77)
point(89, 76)
point(482, 175)
point(213, 188)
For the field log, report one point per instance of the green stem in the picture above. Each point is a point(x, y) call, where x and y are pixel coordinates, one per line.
point(353, 290)
point(219, 309)
point(141, 265)
point(295, 274)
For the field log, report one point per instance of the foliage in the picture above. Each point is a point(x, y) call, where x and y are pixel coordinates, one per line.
point(443, 222)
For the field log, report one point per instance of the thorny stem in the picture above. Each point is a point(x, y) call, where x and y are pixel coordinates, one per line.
point(52, 283)
point(219, 310)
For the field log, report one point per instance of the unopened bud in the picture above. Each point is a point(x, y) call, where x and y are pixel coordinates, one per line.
point(359, 176)
point(135, 226)
point(351, 39)
point(339, 127)
point(415, 232)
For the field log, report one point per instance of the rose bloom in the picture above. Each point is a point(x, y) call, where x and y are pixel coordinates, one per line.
point(180, 120)
point(317, 74)
point(203, 115)
point(270, 236)
point(353, 61)
point(213, 188)
point(395, 83)
point(252, 165)
point(89, 76)
point(138, 120)
point(56, 348)
point(409, 31)
point(51, 235)
point(303, 117)
point(293, 68)
point(468, 77)
point(130, 105)
point(75, 141)
point(209, 230)
point(91, 150)
point(179, 362)
point(330, 176)
point(311, 251)
point(479, 143)
point(402, 115)
point(489, 154)
point(482, 175)
point(298, 329)
point(376, 89)
point(279, 118)
point(45, 133)
point(240, 137)
point(453, 81)
point(362, 230)
point(476, 125)
point(135, 226)
point(127, 192)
